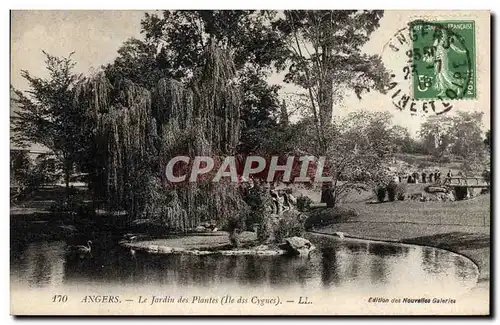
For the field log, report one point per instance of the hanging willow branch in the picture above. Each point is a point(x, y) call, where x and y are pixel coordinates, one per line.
point(120, 122)
point(203, 119)
point(124, 120)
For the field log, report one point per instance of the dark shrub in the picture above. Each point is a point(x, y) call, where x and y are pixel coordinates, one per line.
point(303, 203)
point(486, 176)
point(234, 239)
point(264, 230)
point(235, 226)
point(288, 225)
point(380, 192)
point(400, 192)
point(391, 191)
point(72, 205)
point(325, 217)
point(460, 192)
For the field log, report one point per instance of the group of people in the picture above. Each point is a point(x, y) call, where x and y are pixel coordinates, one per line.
point(423, 177)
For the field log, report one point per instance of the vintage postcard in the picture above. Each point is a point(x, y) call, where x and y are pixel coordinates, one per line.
point(250, 162)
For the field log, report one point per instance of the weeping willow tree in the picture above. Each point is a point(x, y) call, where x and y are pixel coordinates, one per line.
point(121, 128)
point(134, 131)
point(203, 119)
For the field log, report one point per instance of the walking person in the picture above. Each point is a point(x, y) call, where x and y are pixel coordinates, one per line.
point(415, 177)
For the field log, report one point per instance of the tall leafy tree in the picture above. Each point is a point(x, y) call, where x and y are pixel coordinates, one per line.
point(174, 44)
point(435, 135)
point(460, 135)
point(182, 37)
point(138, 62)
point(467, 140)
point(47, 114)
point(325, 52)
point(326, 59)
point(361, 144)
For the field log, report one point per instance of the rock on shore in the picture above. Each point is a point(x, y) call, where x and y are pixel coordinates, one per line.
point(298, 246)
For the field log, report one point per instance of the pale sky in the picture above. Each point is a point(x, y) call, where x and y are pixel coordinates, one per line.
point(95, 37)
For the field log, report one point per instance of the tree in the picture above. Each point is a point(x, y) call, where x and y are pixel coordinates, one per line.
point(20, 172)
point(405, 143)
point(174, 45)
point(435, 135)
point(135, 131)
point(460, 135)
point(487, 140)
point(360, 146)
point(259, 110)
point(182, 36)
point(139, 62)
point(47, 114)
point(325, 51)
point(467, 140)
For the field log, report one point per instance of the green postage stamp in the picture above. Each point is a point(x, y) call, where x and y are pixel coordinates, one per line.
point(443, 60)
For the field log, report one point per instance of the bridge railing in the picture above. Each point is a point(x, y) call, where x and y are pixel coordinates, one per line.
point(464, 180)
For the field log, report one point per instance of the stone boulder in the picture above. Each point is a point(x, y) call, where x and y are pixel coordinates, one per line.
point(436, 189)
point(206, 227)
point(339, 234)
point(445, 197)
point(298, 246)
point(200, 228)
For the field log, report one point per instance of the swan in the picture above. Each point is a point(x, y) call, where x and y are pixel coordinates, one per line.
point(83, 248)
point(131, 240)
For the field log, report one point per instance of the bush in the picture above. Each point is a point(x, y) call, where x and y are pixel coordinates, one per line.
point(391, 191)
point(288, 226)
point(400, 192)
point(325, 217)
point(235, 226)
point(425, 165)
point(234, 239)
point(380, 192)
point(461, 192)
point(264, 230)
point(303, 203)
point(71, 204)
point(486, 176)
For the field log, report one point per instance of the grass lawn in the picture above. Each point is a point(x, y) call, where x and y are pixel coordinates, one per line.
point(462, 226)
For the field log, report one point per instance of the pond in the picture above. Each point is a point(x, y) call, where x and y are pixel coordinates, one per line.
point(336, 265)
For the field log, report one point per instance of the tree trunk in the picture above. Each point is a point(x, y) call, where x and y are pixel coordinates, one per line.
point(327, 195)
point(284, 115)
point(234, 238)
point(325, 104)
point(325, 101)
point(325, 107)
point(67, 174)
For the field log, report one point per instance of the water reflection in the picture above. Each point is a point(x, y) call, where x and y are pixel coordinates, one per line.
point(345, 264)
point(41, 264)
point(329, 267)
